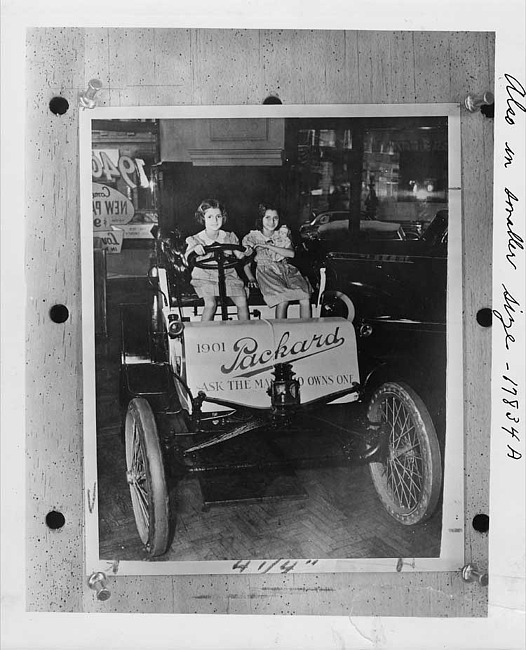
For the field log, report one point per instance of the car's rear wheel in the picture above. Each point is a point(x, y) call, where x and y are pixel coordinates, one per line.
point(336, 303)
point(146, 477)
point(409, 481)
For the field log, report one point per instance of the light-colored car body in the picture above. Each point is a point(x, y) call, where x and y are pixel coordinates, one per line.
point(329, 224)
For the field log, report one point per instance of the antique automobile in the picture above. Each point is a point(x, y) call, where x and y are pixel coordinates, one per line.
point(189, 386)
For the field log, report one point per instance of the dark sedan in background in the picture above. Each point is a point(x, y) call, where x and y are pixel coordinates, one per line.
point(393, 277)
point(396, 291)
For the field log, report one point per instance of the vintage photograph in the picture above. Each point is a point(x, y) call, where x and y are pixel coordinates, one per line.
point(276, 334)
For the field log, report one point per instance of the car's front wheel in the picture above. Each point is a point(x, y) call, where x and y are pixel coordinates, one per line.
point(409, 480)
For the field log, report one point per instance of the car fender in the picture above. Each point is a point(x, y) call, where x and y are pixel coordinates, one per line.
point(414, 374)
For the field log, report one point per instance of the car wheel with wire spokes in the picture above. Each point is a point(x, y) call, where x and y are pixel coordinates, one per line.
point(146, 477)
point(409, 480)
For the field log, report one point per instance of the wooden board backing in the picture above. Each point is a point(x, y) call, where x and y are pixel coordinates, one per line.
point(191, 66)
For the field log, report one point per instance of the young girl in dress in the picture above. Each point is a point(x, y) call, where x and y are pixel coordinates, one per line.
point(212, 215)
point(279, 281)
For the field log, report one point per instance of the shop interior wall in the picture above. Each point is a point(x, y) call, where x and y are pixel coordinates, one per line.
point(193, 66)
point(240, 189)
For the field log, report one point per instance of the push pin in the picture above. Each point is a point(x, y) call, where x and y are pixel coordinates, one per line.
point(474, 102)
point(97, 581)
point(87, 99)
point(470, 573)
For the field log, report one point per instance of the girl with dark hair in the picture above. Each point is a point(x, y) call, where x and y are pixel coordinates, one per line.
point(212, 215)
point(279, 282)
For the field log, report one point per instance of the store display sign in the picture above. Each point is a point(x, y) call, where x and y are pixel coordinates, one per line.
point(123, 187)
point(111, 240)
point(108, 164)
point(138, 230)
point(110, 207)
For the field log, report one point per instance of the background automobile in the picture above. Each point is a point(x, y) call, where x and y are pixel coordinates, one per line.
point(396, 292)
point(330, 225)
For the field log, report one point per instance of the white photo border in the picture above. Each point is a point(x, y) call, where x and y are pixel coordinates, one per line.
point(452, 542)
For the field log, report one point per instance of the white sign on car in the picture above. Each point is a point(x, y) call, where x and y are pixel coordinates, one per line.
point(234, 361)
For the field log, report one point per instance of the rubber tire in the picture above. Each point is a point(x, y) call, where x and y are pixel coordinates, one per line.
point(155, 533)
point(346, 306)
point(431, 461)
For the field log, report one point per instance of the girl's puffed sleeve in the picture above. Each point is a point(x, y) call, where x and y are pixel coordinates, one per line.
point(191, 243)
point(248, 242)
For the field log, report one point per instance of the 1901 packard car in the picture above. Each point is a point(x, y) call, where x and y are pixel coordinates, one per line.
point(211, 382)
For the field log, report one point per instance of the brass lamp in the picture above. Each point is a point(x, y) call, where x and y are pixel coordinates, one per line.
point(284, 390)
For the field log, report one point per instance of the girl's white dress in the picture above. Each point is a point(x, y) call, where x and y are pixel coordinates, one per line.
point(206, 281)
point(278, 280)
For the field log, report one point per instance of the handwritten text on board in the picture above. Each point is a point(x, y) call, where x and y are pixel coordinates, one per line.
point(509, 312)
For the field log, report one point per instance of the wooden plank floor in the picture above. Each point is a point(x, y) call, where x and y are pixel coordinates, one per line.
point(340, 516)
